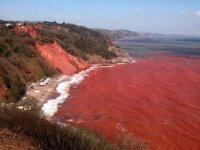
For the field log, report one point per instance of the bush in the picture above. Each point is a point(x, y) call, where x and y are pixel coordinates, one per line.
point(51, 136)
point(4, 50)
point(84, 41)
point(19, 89)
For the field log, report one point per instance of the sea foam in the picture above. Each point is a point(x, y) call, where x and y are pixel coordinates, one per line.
point(63, 89)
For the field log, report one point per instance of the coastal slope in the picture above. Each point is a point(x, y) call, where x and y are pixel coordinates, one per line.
point(60, 59)
point(30, 51)
point(120, 34)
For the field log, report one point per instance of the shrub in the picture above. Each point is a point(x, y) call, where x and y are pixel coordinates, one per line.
point(84, 41)
point(51, 136)
point(17, 57)
point(4, 50)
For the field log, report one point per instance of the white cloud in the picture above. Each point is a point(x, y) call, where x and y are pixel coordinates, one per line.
point(197, 13)
point(138, 10)
point(191, 13)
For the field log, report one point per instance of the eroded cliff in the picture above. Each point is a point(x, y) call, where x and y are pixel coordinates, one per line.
point(60, 59)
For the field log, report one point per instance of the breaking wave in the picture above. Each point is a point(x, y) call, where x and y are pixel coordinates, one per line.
point(63, 89)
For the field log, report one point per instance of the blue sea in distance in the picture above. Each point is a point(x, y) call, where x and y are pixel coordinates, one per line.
point(144, 46)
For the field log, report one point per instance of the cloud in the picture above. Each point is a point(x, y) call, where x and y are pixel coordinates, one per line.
point(191, 13)
point(197, 13)
point(138, 10)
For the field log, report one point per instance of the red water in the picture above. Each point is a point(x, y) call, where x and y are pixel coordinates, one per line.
point(156, 99)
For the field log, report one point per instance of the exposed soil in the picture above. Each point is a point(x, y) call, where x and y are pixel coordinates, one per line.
point(60, 59)
point(29, 29)
point(13, 141)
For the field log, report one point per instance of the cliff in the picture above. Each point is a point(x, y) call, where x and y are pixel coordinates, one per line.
point(29, 29)
point(30, 51)
point(20, 62)
point(60, 59)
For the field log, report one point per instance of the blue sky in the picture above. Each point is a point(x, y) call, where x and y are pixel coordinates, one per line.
point(161, 16)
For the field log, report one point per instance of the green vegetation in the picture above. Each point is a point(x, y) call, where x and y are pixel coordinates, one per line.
point(20, 62)
point(49, 135)
point(77, 40)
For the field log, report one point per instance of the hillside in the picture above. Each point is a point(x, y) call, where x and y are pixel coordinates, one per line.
point(77, 40)
point(20, 63)
point(124, 34)
point(30, 51)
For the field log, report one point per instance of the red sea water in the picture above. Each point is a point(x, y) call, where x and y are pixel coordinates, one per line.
point(156, 99)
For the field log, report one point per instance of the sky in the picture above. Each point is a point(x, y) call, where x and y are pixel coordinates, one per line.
point(158, 16)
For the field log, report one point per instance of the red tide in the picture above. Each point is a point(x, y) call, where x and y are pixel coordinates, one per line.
point(156, 99)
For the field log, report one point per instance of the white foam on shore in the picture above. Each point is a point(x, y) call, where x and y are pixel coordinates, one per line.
point(63, 89)
point(133, 61)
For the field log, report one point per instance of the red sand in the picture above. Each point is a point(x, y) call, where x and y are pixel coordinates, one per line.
point(155, 99)
point(60, 59)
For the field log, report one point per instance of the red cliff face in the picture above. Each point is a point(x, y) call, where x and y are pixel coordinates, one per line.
point(60, 59)
point(54, 54)
point(29, 29)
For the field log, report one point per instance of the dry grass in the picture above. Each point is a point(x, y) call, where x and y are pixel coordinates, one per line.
point(51, 136)
point(126, 142)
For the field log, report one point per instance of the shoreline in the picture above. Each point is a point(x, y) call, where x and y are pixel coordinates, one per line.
point(50, 106)
point(39, 98)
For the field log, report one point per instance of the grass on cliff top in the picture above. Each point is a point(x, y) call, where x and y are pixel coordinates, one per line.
point(49, 135)
point(77, 40)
